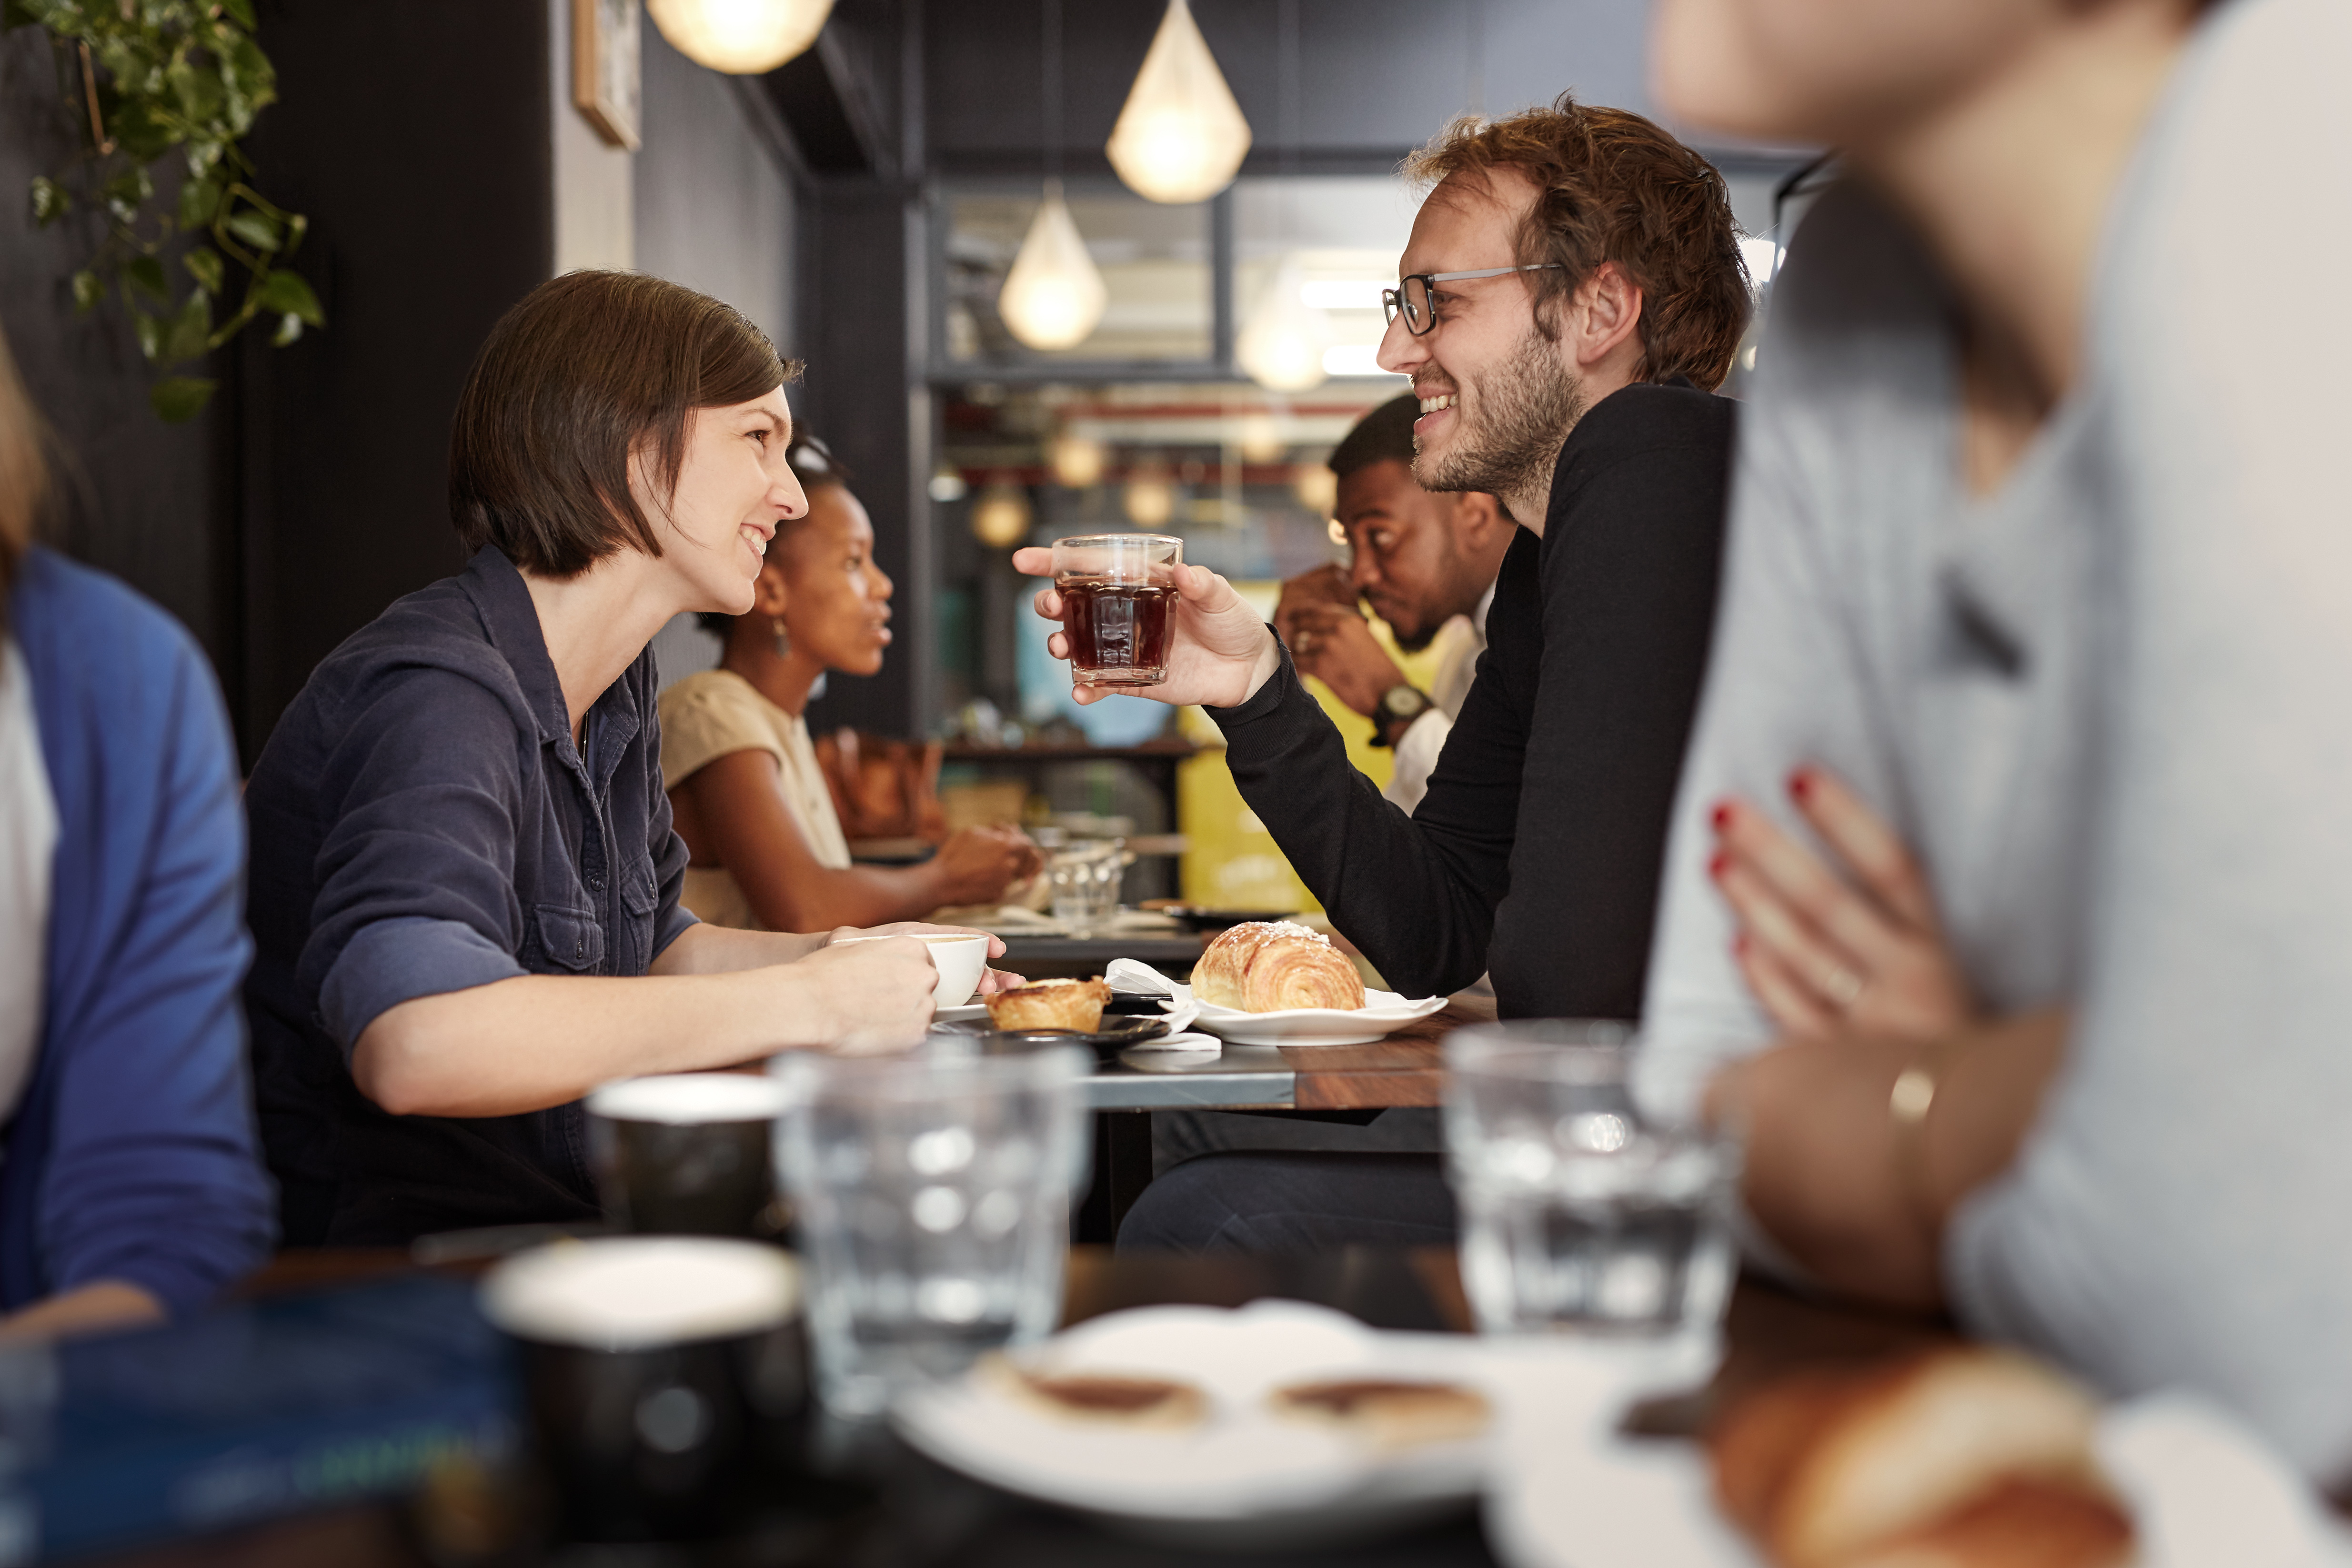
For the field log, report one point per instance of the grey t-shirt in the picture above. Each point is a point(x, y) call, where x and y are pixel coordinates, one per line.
point(2111, 707)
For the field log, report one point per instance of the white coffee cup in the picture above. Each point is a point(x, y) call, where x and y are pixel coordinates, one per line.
point(961, 959)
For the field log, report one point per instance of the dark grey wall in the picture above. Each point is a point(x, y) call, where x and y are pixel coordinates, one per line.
point(714, 198)
point(148, 501)
point(1376, 77)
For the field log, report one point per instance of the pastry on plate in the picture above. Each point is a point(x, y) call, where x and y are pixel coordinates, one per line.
point(1387, 1412)
point(1076, 1004)
point(1109, 1398)
point(1266, 966)
point(1964, 1457)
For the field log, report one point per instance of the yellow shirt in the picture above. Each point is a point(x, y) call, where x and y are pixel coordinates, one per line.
point(714, 714)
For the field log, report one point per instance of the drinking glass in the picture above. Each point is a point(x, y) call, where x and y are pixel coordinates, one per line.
point(688, 1153)
point(933, 1191)
point(1085, 878)
point(1595, 1198)
point(1118, 599)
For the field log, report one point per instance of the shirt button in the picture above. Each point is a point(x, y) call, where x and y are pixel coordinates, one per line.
point(578, 947)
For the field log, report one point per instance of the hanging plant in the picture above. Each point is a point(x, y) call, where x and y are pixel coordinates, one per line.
point(143, 79)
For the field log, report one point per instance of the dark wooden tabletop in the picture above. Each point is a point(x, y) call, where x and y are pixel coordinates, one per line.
point(929, 1517)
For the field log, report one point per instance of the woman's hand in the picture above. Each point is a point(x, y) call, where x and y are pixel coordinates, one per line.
point(1219, 653)
point(1828, 955)
point(977, 864)
point(989, 979)
point(876, 995)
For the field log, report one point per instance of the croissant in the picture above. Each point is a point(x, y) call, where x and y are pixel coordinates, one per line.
point(1266, 965)
point(1971, 1458)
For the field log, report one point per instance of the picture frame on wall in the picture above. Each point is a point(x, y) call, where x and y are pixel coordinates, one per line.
point(606, 86)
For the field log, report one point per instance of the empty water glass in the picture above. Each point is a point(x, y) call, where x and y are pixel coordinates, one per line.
point(934, 1194)
point(1595, 1198)
point(1085, 876)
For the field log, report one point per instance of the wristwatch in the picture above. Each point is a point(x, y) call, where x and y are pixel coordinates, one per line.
point(1398, 706)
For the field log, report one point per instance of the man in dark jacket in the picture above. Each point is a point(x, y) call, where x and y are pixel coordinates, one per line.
point(1572, 284)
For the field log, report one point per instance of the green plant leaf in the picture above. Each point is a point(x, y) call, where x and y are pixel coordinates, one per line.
point(145, 273)
point(285, 291)
point(177, 399)
point(150, 332)
point(88, 291)
point(206, 268)
point(190, 328)
point(255, 227)
point(196, 87)
point(289, 327)
point(199, 200)
point(50, 201)
point(242, 10)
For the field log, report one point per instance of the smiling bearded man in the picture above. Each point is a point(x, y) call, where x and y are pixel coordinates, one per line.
point(1572, 288)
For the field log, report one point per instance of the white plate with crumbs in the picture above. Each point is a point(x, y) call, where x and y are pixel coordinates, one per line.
point(1279, 1426)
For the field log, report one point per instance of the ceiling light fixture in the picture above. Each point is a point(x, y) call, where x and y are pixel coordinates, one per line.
point(741, 38)
point(1000, 517)
point(1281, 346)
point(1181, 137)
point(1053, 297)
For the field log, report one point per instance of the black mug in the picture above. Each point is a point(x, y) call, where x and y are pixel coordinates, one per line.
point(688, 1153)
point(663, 1380)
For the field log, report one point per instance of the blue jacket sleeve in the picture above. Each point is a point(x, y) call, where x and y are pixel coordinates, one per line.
point(133, 1154)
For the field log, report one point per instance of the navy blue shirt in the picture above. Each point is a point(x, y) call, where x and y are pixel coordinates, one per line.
point(423, 823)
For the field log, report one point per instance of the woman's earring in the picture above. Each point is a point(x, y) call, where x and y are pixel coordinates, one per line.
point(784, 642)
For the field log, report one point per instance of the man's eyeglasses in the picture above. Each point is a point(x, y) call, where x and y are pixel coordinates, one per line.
point(1411, 297)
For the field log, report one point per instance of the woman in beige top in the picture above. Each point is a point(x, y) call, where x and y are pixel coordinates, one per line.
point(743, 781)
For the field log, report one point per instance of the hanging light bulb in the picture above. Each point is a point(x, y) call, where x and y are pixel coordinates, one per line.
point(1281, 346)
point(1077, 461)
point(1181, 136)
point(946, 486)
point(999, 517)
point(1316, 488)
point(741, 38)
point(1150, 500)
point(1054, 295)
point(1260, 438)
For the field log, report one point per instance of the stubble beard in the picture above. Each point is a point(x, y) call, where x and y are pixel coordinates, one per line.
point(1510, 436)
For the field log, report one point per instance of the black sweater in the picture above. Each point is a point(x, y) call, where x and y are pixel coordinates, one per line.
point(1534, 855)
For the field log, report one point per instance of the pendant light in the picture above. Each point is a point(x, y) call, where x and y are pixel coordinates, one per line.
point(1281, 346)
point(1000, 517)
point(1181, 137)
point(1054, 295)
point(1077, 462)
point(741, 38)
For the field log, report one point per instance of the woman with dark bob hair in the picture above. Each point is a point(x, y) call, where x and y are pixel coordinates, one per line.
point(464, 883)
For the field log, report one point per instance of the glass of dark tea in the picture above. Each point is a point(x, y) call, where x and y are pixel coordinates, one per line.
point(1118, 605)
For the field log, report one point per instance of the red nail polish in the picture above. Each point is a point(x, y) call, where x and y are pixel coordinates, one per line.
point(1721, 816)
point(1716, 863)
point(1801, 785)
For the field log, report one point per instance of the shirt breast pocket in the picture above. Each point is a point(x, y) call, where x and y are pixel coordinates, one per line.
point(639, 898)
point(571, 938)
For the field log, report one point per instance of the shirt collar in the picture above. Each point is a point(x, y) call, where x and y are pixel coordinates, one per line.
point(499, 590)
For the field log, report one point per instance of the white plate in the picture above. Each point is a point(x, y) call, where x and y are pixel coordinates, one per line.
point(1382, 1013)
point(1569, 1492)
point(1243, 1478)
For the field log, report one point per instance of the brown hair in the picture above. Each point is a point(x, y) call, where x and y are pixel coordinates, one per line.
point(24, 475)
point(1613, 187)
point(584, 371)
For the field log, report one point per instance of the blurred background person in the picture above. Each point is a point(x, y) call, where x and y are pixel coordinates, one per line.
point(132, 1188)
point(2010, 856)
point(749, 795)
point(1425, 563)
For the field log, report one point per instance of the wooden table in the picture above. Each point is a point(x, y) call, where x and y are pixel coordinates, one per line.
point(927, 1518)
